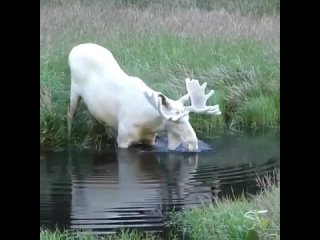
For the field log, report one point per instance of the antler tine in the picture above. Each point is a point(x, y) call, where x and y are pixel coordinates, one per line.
point(199, 99)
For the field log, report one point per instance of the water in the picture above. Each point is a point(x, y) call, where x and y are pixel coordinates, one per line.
point(102, 191)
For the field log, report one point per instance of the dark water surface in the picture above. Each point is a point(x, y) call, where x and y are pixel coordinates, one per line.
point(103, 191)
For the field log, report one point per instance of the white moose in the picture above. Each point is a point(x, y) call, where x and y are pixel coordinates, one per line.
point(126, 104)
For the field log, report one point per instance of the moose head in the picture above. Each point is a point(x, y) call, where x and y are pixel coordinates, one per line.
point(176, 114)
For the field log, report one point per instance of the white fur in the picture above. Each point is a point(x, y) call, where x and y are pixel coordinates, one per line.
point(125, 103)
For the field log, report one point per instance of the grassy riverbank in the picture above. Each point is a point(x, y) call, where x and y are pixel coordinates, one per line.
point(234, 47)
point(226, 219)
point(123, 235)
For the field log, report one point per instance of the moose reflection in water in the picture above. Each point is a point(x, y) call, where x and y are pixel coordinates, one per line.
point(103, 191)
point(137, 191)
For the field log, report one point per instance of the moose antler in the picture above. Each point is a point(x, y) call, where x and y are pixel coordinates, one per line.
point(199, 98)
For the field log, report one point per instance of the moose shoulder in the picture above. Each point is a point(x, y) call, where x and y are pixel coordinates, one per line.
point(126, 104)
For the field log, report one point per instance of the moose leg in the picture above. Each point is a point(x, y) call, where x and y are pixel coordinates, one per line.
point(127, 136)
point(173, 141)
point(149, 139)
point(74, 99)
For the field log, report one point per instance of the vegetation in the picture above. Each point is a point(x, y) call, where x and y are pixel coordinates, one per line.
point(123, 235)
point(256, 217)
point(233, 45)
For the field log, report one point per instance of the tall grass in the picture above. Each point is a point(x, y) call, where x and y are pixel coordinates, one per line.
point(233, 45)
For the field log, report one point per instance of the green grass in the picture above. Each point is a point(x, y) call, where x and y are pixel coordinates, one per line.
point(225, 219)
point(122, 235)
point(235, 51)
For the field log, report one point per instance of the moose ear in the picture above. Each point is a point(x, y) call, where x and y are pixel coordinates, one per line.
point(164, 100)
point(151, 99)
point(162, 104)
point(156, 99)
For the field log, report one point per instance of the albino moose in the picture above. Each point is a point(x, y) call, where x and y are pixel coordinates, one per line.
point(125, 103)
